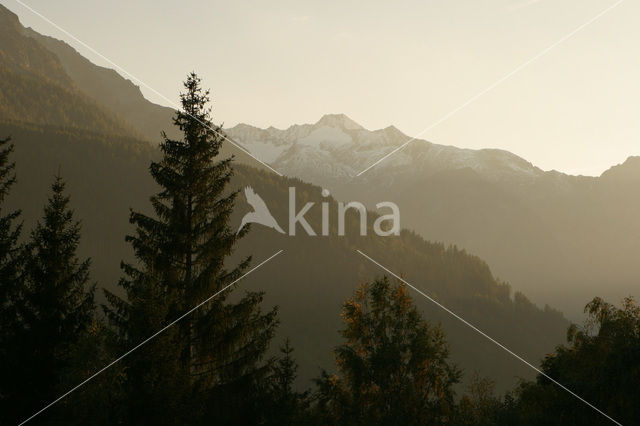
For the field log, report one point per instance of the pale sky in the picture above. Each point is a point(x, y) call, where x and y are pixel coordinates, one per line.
point(406, 63)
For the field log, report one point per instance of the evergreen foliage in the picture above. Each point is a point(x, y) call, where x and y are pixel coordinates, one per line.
point(10, 271)
point(288, 405)
point(9, 234)
point(54, 307)
point(195, 369)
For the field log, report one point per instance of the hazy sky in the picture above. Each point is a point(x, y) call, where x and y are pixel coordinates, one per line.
point(405, 63)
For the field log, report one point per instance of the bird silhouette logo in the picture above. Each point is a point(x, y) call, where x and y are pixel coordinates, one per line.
point(260, 213)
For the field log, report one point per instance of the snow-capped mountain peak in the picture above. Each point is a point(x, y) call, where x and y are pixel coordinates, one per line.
point(336, 147)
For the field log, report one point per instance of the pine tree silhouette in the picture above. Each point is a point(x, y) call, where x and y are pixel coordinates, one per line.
point(208, 365)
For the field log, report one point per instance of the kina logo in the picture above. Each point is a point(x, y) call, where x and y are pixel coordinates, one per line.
point(262, 216)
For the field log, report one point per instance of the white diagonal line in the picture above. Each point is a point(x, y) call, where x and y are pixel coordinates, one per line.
point(490, 338)
point(496, 83)
point(133, 77)
point(148, 339)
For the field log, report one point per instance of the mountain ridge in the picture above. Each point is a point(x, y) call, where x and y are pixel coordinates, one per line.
point(35, 87)
point(347, 148)
point(550, 233)
point(343, 121)
point(628, 170)
point(117, 93)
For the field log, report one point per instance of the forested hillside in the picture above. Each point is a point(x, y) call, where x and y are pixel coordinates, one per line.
point(109, 89)
point(107, 175)
point(35, 88)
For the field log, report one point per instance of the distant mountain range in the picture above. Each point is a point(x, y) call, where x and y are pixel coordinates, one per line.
point(560, 238)
point(337, 148)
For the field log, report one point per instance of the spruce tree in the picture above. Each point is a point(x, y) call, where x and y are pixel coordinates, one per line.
point(288, 406)
point(10, 285)
point(9, 232)
point(55, 307)
point(209, 364)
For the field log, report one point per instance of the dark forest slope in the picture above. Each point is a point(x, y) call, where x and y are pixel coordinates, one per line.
point(35, 88)
point(310, 280)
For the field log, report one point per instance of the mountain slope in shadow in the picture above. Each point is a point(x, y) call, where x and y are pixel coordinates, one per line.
point(560, 238)
point(108, 175)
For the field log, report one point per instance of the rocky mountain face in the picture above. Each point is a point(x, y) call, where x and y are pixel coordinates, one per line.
point(337, 148)
point(560, 238)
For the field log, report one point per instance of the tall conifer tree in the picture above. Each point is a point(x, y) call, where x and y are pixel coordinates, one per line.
point(54, 307)
point(9, 232)
point(207, 365)
point(288, 406)
point(59, 299)
point(10, 263)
